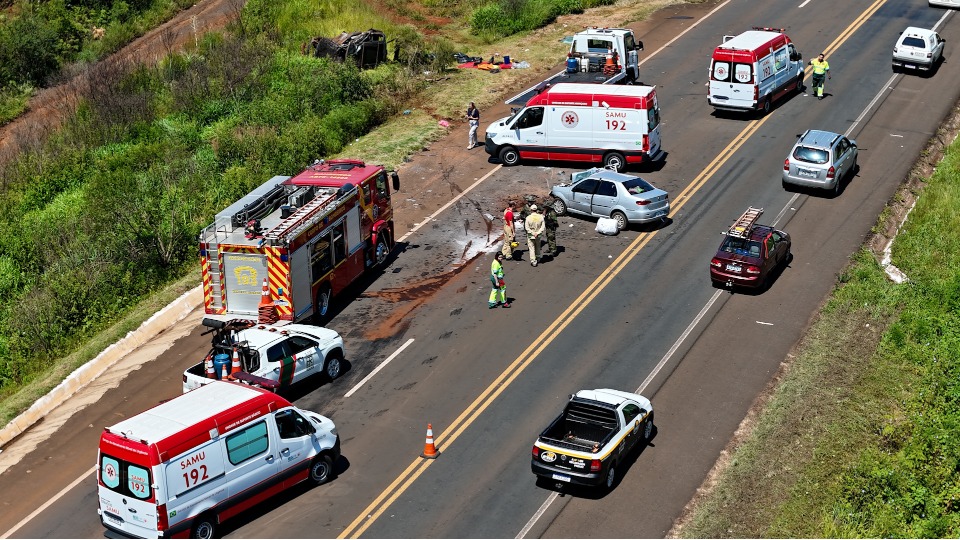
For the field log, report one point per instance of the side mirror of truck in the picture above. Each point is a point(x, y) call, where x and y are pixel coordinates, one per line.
point(639, 45)
point(396, 180)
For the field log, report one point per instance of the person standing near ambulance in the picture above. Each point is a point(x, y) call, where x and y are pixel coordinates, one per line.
point(821, 68)
point(473, 117)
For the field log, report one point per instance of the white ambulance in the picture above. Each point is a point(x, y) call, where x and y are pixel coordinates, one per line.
point(613, 125)
point(183, 467)
point(750, 71)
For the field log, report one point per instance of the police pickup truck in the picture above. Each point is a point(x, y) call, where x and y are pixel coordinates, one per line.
point(592, 436)
point(271, 356)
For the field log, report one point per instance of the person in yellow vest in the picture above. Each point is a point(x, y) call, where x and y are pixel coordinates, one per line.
point(498, 295)
point(821, 68)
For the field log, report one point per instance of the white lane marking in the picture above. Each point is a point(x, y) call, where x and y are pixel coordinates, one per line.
point(895, 135)
point(47, 504)
point(381, 366)
point(805, 2)
point(553, 495)
point(449, 204)
point(678, 36)
point(764, 323)
point(680, 340)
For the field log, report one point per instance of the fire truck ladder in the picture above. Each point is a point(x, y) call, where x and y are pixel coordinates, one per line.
point(742, 226)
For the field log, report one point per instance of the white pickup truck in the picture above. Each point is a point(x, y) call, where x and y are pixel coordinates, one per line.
point(592, 436)
point(271, 356)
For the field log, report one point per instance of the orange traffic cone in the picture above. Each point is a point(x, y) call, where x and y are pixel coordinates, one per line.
point(429, 449)
point(208, 366)
point(226, 372)
point(235, 364)
point(266, 314)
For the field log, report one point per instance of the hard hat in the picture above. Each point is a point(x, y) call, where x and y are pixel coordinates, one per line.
point(533, 207)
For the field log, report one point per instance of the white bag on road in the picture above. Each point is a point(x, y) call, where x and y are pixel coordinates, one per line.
point(607, 226)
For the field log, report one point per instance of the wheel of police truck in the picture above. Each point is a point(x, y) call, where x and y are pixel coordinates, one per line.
point(204, 527)
point(324, 299)
point(333, 365)
point(648, 429)
point(381, 251)
point(621, 220)
point(509, 156)
point(615, 161)
point(321, 470)
point(611, 476)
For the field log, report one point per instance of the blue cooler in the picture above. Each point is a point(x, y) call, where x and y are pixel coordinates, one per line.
point(219, 361)
point(572, 65)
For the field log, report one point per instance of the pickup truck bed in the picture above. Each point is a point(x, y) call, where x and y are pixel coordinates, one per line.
point(581, 426)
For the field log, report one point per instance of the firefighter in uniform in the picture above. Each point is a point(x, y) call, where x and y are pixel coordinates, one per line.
point(551, 223)
point(821, 68)
point(534, 228)
point(509, 234)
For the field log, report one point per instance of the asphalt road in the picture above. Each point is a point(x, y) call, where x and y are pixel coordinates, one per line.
point(632, 311)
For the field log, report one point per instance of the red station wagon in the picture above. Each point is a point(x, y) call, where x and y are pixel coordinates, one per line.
point(750, 253)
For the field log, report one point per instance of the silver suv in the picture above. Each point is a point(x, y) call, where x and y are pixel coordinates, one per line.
point(917, 48)
point(820, 159)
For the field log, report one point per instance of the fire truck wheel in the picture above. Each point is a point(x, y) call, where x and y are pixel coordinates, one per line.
point(381, 251)
point(509, 156)
point(321, 470)
point(615, 161)
point(559, 206)
point(332, 368)
point(621, 220)
point(204, 527)
point(324, 299)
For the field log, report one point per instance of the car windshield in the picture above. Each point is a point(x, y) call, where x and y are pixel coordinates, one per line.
point(913, 42)
point(636, 186)
point(740, 246)
point(811, 155)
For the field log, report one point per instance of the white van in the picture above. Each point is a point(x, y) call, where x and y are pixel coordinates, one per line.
point(613, 125)
point(944, 3)
point(186, 465)
point(750, 71)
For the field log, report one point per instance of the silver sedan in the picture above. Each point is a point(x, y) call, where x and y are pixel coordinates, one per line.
point(605, 193)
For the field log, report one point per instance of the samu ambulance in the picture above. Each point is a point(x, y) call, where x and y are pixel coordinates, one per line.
point(613, 125)
point(183, 467)
point(750, 71)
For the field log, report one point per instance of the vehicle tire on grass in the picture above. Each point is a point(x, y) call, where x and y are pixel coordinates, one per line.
point(204, 527)
point(621, 220)
point(615, 161)
point(321, 470)
point(509, 156)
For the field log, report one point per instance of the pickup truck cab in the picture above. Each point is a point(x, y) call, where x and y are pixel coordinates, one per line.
point(272, 355)
point(594, 434)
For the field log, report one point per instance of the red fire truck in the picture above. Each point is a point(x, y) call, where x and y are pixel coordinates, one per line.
point(295, 242)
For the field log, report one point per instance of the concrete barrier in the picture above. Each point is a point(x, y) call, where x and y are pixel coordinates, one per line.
point(160, 321)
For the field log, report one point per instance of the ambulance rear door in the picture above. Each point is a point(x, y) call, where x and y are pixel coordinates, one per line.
point(653, 126)
point(127, 495)
point(732, 81)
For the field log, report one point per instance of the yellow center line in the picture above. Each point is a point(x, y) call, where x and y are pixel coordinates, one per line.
point(848, 31)
point(413, 471)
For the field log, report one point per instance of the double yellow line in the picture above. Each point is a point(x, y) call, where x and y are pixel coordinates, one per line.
point(445, 439)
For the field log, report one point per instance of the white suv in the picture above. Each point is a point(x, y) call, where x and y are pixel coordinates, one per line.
point(917, 48)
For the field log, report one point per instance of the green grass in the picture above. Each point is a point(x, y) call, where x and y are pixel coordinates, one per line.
point(859, 438)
